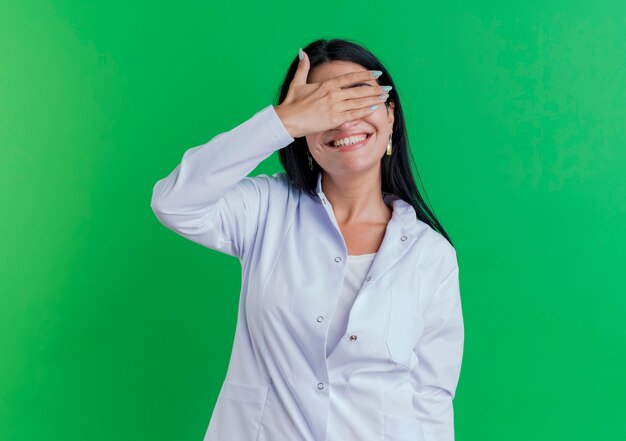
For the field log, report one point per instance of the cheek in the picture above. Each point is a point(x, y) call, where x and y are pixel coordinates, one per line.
point(379, 119)
point(314, 140)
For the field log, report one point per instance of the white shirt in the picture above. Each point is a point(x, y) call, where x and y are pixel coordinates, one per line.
point(356, 270)
point(394, 371)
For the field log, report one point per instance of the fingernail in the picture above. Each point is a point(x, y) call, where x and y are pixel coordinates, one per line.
point(374, 107)
point(300, 54)
point(376, 73)
point(386, 88)
point(383, 97)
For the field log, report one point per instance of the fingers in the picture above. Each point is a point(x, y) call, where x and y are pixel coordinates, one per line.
point(351, 115)
point(361, 96)
point(303, 69)
point(359, 103)
point(363, 92)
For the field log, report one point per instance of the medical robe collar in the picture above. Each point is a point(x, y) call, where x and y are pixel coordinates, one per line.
point(402, 230)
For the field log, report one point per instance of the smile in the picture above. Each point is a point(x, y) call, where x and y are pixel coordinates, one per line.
point(353, 146)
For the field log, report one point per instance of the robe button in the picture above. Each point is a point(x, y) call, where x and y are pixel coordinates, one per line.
point(320, 386)
point(320, 318)
point(337, 259)
point(403, 238)
point(353, 338)
point(368, 278)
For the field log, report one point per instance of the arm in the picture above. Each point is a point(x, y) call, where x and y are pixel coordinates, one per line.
point(439, 351)
point(208, 198)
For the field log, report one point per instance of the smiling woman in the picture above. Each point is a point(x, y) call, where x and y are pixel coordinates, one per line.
point(350, 324)
point(305, 158)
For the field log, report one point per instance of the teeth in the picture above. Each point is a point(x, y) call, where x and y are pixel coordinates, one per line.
point(348, 141)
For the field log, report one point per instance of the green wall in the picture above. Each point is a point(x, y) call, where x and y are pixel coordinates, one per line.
point(114, 328)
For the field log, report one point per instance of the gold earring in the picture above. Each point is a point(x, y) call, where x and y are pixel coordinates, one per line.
point(310, 160)
point(389, 146)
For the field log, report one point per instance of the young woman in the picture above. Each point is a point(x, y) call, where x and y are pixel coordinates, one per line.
point(349, 323)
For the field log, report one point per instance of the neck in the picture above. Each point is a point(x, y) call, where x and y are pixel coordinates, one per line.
point(356, 198)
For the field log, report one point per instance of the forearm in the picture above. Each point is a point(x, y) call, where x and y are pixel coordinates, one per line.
point(207, 171)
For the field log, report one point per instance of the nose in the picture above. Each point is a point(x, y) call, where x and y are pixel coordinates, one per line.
point(348, 124)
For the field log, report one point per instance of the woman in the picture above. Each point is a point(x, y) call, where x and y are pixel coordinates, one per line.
point(349, 324)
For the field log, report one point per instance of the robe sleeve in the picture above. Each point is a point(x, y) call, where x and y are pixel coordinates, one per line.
point(208, 198)
point(440, 352)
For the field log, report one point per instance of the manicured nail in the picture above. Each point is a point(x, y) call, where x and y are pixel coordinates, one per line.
point(383, 97)
point(376, 73)
point(300, 54)
point(374, 107)
point(386, 88)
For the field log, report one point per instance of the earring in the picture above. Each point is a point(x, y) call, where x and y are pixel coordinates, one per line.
point(389, 146)
point(310, 160)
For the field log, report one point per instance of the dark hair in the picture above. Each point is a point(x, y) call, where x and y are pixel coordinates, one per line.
point(397, 176)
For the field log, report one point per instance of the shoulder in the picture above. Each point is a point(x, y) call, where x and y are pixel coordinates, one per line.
point(439, 254)
point(266, 186)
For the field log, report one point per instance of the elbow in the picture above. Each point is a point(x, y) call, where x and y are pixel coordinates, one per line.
point(158, 213)
point(159, 192)
point(156, 204)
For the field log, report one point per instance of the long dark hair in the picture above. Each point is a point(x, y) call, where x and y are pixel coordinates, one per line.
point(397, 175)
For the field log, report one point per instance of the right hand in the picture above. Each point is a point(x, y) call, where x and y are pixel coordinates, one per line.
point(317, 107)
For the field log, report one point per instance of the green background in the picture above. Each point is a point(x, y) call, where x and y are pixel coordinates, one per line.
point(113, 327)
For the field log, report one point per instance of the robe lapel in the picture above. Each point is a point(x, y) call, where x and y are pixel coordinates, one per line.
point(402, 231)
